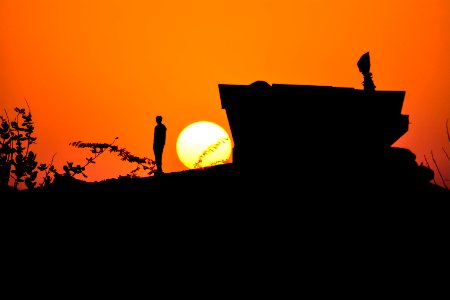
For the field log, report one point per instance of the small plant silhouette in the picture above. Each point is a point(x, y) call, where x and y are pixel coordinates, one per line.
point(208, 151)
point(18, 164)
point(443, 180)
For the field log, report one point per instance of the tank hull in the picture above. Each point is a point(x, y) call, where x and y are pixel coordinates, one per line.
point(288, 126)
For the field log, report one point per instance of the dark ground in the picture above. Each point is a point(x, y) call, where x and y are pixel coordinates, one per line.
point(229, 183)
point(396, 190)
point(227, 214)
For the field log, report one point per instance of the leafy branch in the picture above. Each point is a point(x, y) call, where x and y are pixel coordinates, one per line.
point(17, 162)
point(47, 179)
point(142, 163)
point(208, 151)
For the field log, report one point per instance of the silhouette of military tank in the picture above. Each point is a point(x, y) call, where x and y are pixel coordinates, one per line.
point(284, 124)
point(282, 127)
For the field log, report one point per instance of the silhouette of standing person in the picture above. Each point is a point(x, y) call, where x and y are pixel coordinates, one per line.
point(159, 140)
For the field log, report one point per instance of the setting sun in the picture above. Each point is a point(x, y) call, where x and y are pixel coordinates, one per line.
point(203, 144)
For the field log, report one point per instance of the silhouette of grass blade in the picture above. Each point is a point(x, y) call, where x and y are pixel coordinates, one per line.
point(212, 148)
point(439, 171)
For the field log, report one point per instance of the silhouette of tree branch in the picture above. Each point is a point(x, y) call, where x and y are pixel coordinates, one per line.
point(48, 169)
point(448, 137)
point(428, 166)
point(30, 128)
point(10, 140)
point(97, 149)
point(142, 162)
point(439, 171)
point(446, 154)
point(448, 133)
point(208, 151)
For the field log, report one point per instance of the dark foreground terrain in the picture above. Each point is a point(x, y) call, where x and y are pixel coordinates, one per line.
point(376, 191)
point(390, 209)
point(398, 178)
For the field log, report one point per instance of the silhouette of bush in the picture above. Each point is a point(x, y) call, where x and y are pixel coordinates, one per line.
point(18, 164)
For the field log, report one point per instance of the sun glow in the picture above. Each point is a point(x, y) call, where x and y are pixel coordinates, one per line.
point(203, 144)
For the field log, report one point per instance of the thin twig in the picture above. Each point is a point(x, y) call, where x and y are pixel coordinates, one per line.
point(47, 171)
point(439, 172)
point(448, 133)
point(90, 161)
point(29, 109)
point(29, 134)
point(18, 147)
point(9, 156)
point(7, 117)
point(428, 165)
point(446, 154)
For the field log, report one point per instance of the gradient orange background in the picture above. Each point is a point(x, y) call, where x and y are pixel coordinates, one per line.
point(92, 70)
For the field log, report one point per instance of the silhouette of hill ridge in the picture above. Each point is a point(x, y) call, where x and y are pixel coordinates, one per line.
point(226, 200)
point(393, 181)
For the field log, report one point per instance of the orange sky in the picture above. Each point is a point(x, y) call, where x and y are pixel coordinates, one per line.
point(92, 70)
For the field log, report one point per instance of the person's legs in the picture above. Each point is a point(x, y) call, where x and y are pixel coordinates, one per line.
point(158, 160)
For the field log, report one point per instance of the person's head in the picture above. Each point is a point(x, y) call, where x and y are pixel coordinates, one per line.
point(158, 119)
